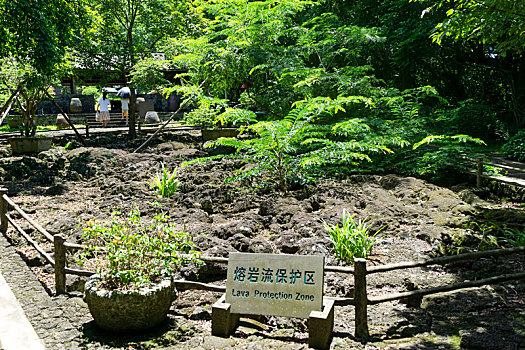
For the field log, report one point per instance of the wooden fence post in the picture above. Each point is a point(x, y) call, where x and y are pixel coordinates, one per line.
point(3, 211)
point(60, 264)
point(361, 300)
point(479, 172)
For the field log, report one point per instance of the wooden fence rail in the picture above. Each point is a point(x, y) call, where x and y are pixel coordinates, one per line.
point(479, 168)
point(359, 271)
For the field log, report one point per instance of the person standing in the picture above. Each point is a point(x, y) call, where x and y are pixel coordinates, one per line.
point(124, 94)
point(103, 108)
point(125, 109)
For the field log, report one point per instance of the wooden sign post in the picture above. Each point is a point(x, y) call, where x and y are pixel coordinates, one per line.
point(277, 285)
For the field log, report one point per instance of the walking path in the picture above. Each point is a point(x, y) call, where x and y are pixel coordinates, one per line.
point(514, 171)
point(82, 131)
point(22, 294)
point(16, 331)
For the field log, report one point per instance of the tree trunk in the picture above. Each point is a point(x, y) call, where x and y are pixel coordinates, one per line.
point(132, 110)
point(516, 81)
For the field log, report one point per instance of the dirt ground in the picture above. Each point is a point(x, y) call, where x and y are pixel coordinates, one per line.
point(62, 189)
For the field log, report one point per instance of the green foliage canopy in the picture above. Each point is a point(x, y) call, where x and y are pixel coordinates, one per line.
point(37, 32)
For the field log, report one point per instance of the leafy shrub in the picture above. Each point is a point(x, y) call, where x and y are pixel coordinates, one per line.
point(207, 111)
point(353, 239)
point(515, 147)
point(300, 145)
point(166, 183)
point(451, 152)
point(129, 251)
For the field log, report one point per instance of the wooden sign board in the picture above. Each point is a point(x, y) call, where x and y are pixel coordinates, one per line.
point(275, 284)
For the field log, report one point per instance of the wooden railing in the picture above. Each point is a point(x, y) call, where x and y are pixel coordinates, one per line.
point(360, 271)
point(479, 169)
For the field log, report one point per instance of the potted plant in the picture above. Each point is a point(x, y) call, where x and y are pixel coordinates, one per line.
point(28, 87)
point(205, 116)
point(135, 259)
point(217, 120)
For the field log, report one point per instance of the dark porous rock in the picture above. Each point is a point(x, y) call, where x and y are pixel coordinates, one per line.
point(245, 228)
point(240, 242)
point(469, 197)
point(207, 272)
point(430, 233)
point(287, 243)
point(484, 339)
point(151, 117)
point(389, 182)
point(414, 300)
point(471, 299)
point(35, 260)
point(57, 189)
point(220, 248)
point(197, 214)
point(207, 206)
point(312, 204)
point(52, 156)
point(339, 285)
point(200, 314)
point(243, 205)
point(203, 243)
point(18, 168)
point(260, 245)
point(61, 225)
point(267, 207)
point(166, 147)
point(307, 206)
point(283, 218)
point(313, 246)
point(213, 149)
point(75, 283)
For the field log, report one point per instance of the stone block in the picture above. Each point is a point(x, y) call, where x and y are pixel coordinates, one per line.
point(321, 325)
point(151, 118)
point(144, 107)
point(223, 322)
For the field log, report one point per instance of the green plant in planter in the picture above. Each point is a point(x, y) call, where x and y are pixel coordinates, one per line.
point(214, 113)
point(166, 183)
point(353, 239)
point(130, 252)
point(205, 115)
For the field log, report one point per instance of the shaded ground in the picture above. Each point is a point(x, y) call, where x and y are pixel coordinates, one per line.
point(64, 188)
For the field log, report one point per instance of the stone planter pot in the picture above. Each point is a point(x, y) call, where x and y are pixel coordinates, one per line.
point(30, 144)
point(214, 134)
point(131, 310)
point(75, 105)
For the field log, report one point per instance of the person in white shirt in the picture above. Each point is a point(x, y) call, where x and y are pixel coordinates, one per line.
point(103, 108)
point(125, 109)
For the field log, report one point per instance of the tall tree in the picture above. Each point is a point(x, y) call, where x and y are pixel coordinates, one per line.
point(123, 32)
point(497, 26)
point(37, 32)
point(34, 36)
